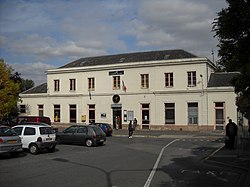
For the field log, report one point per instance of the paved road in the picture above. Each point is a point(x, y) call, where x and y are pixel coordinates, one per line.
point(121, 162)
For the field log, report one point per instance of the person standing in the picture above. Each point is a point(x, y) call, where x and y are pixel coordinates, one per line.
point(231, 132)
point(130, 129)
point(134, 124)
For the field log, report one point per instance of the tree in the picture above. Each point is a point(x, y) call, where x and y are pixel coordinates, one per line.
point(9, 90)
point(26, 84)
point(232, 27)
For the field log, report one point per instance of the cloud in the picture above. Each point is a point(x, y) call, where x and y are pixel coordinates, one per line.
point(59, 31)
point(33, 71)
point(167, 23)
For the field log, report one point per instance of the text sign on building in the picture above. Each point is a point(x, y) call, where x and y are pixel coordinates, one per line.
point(112, 73)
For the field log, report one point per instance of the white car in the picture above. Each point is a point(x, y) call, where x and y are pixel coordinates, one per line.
point(36, 137)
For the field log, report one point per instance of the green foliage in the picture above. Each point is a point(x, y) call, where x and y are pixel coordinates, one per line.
point(9, 90)
point(26, 84)
point(232, 27)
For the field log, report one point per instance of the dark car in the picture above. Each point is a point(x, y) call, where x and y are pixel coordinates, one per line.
point(106, 128)
point(10, 142)
point(88, 135)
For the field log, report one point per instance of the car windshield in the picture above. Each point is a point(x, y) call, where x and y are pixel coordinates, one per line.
point(7, 131)
point(46, 130)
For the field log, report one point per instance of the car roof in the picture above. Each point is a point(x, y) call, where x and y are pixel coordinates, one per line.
point(4, 126)
point(34, 123)
point(77, 125)
point(29, 125)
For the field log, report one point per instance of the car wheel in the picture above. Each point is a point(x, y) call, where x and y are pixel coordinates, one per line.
point(89, 142)
point(14, 154)
point(51, 149)
point(33, 149)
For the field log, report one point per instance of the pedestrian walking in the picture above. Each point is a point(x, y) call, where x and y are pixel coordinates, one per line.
point(231, 133)
point(130, 129)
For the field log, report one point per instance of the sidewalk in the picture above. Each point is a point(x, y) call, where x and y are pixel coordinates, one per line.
point(238, 158)
point(167, 133)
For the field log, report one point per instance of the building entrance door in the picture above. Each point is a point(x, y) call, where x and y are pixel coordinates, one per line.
point(117, 117)
point(219, 116)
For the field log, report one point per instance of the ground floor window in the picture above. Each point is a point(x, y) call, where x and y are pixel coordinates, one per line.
point(72, 113)
point(91, 113)
point(219, 115)
point(57, 113)
point(145, 110)
point(192, 113)
point(40, 110)
point(169, 113)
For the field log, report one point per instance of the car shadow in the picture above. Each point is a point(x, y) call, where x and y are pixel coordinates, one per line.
point(5, 156)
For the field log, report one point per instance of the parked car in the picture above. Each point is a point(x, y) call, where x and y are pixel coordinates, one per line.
point(88, 135)
point(36, 137)
point(105, 127)
point(10, 142)
point(23, 119)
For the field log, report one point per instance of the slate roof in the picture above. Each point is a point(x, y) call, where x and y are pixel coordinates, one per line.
point(221, 79)
point(130, 57)
point(38, 89)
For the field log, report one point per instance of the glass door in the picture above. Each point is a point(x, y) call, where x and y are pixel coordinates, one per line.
point(219, 116)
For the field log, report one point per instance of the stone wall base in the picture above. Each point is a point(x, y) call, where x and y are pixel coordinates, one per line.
point(154, 127)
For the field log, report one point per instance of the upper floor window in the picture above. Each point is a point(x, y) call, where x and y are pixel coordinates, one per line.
point(191, 78)
point(91, 83)
point(56, 85)
point(169, 79)
point(116, 83)
point(72, 86)
point(144, 81)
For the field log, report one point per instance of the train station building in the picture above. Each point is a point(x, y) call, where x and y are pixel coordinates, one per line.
point(169, 89)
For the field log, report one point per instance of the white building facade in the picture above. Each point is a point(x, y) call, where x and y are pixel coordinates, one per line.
point(170, 89)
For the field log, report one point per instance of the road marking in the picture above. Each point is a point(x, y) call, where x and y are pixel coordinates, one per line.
point(150, 177)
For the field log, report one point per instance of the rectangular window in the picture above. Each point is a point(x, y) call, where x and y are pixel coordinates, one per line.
point(29, 131)
point(169, 113)
point(72, 86)
point(91, 84)
point(57, 113)
point(192, 113)
point(191, 78)
point(91, 113)
point(219, 115)
point(56, 85)
point(144, 81)
point(40, 110)
point(145, 113)
point(116, 83)
point(169, 80)
point(22, 109)
point(72, 113)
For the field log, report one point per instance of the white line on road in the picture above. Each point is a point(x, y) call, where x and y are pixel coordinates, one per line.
point(147, 184)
